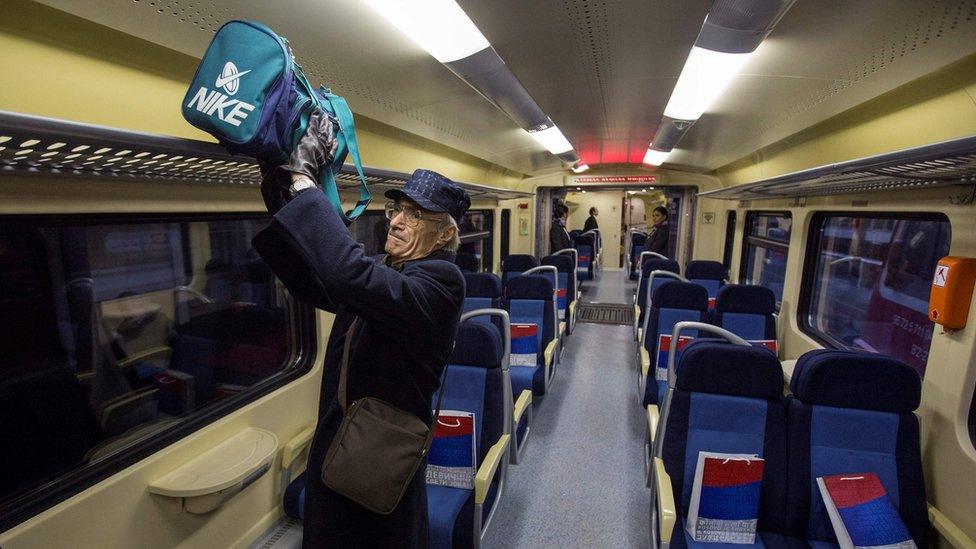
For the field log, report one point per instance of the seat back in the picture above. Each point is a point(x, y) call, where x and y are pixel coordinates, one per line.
point(482, 291)
point(710, 274)
point(565, 294)
point(516, 264)
point(467, 262)
point(530, 302)
point(637, 241)
point(673, 302)
point(746, 311)
point(649, 266)
point(851, 412)
point(728, 399)
point(585, 244)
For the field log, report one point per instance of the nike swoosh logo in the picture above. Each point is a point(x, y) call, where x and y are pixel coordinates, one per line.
point(222, 81)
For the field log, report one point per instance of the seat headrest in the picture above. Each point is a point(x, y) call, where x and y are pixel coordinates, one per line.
point(706, 270)
point(853, 379)
point(519, 263)
point(655, 264)
point(482, 285)
point(741, 298)
point(467, 262)
point(477, 344)
point(680, 295)
point(562, 262)
point(585, 239)
point(639, 239)
point(534, 286)
point(719, 367)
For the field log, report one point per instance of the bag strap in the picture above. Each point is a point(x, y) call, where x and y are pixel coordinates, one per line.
point(342, 384)
point(347, 126)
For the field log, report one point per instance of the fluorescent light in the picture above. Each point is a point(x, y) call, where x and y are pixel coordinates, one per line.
point(553, 139)
point(439, 26)
point(581, 168)
point(584, 192)
point(655, 158)
point(704, 77)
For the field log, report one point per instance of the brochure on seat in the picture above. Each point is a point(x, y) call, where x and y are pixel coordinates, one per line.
point(765, 343)
point(724, 505)
point(452, 460)
point(561, 303)
point(525, 345)
point(861, 512)
point(663, 348)
point(711, 304)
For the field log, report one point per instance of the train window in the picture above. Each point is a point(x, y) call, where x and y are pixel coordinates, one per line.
point(767, 240)
point(868, 282)
point(370, 230)
point(476, 239)
point(116, 330)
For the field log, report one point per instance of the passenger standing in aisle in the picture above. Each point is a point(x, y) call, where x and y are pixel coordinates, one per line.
point(408, 305)
point(657, 239)
point(591, 221)
point(558, 237)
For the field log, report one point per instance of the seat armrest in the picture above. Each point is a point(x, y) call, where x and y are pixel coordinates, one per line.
point(293, 448)
point(653, 416)
point(562, 327)
point(666, 513)
point(482, 480)
point(550, 351)
point(645, 361)
point(522, 404)
point(572, 308)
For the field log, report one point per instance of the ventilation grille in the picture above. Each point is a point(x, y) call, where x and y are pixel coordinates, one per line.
point(42, 146)
point(937, 165)
point(606, 313)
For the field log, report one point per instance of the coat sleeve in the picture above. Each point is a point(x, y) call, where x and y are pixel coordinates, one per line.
point(312, 252)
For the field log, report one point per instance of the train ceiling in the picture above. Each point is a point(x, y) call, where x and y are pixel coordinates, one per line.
point(603, 70)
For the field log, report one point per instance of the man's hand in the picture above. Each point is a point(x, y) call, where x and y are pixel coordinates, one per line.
point(315, 149)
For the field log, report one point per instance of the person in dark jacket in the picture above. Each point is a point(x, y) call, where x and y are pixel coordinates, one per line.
point(408, 303)
point(591, 223)
point(558, 237)
point(657, 238)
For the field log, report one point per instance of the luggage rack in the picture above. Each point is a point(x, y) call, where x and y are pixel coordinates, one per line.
point(37, 146)
point(937, 165)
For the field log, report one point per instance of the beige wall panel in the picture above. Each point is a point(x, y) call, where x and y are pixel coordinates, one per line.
point(609, 204)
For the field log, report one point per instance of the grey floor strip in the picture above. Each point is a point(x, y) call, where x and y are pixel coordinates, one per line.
point(580, 482)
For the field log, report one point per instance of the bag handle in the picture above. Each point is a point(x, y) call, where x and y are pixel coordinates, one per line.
point(342, 384)
point(347, 126)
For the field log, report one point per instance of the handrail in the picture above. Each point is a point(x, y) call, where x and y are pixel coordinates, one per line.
point(672, 377)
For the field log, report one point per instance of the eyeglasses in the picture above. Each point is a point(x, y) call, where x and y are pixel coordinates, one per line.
point(412, 216)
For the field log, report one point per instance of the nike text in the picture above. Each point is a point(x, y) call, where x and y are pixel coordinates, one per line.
point(232, 111)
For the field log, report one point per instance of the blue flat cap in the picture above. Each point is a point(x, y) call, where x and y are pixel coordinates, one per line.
point(434, 193)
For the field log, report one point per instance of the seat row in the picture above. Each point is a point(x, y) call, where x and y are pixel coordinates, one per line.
point(850, 413)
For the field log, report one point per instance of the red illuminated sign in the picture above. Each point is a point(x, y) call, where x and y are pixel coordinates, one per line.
point(617, 179)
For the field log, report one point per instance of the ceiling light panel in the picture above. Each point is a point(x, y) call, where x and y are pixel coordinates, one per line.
point(552, 139)
point(439, 26)
point(655, 158)
point(704, 77)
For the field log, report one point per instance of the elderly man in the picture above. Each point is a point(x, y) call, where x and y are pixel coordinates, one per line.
point(408, 305)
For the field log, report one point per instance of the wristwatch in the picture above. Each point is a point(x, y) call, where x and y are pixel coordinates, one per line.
point(300, 185)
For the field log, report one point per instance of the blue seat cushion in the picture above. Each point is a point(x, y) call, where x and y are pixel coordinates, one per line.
point(450, 514)
point(851, 379)
point(705, 269)
point(528, 377)
point(742, 298)
point(718, 367)
point(477, 344)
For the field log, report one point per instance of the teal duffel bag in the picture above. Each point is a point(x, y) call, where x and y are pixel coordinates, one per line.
point(251, 95)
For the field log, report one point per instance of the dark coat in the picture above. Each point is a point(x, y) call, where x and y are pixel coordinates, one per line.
point(590, 224)
point(657, 239)
point(409, 322)
point(558, 238)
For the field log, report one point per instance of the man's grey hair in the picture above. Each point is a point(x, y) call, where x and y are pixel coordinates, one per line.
point(447, 221)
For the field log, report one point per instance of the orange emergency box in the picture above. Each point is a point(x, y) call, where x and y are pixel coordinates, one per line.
point(952, 291)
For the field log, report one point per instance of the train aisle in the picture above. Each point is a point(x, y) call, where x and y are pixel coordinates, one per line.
point(580, 482)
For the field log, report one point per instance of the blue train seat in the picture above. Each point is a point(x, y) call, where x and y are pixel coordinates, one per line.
point(482, 291)
point(566, 296)
point(851, 412)
point(530, 301)
point(673, 302)
point(585, 244)
point(746, 311)
point(474, 383)
point(637, 240)
point(468, 262)
point(710, 274)
point(649, 266)
point(516, 264)
point(728, 399)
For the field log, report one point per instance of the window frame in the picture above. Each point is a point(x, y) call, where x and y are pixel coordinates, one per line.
point(487, 237)
point(728, 249)
point(761, 242)
point(812, 253)
point(27, 504)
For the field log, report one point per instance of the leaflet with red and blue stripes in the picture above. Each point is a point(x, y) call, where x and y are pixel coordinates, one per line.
point(769, 344)
point(663, 347)
point(561, 302)
point(525, 345)
point(452, 460)
point(724, 504)
point(861, 512)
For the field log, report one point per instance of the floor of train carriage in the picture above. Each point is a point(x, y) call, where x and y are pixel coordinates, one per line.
point(580, 482)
